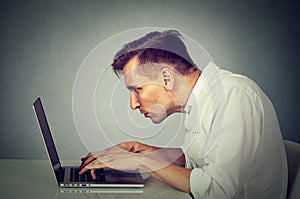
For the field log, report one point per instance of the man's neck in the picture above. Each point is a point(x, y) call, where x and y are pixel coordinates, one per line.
point(184, 89)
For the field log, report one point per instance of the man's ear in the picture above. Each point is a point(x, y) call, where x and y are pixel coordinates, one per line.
point(167, 77)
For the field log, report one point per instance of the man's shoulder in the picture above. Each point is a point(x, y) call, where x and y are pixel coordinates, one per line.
point(229, 79)
point(213, 75)
point(240, 82)
point(224, 82)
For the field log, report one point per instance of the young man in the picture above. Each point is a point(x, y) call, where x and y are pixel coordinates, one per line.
point(233, 146)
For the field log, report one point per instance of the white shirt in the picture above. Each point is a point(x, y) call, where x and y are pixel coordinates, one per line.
point(233, 140)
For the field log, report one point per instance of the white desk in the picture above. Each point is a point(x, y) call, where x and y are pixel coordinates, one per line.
point(34, 179)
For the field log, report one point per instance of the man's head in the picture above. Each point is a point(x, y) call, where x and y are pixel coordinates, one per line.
point(156, 47)
point(152, 66)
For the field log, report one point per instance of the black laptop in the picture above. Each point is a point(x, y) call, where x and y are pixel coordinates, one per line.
point(67, 176)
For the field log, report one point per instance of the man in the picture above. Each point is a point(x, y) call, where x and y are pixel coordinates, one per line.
point(233, 146)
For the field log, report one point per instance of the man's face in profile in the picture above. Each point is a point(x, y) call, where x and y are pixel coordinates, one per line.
point(147, 95)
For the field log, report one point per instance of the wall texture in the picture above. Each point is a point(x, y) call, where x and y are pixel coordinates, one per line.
point(43, 44)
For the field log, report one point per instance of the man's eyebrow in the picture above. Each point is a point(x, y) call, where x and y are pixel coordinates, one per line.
point(131, 87)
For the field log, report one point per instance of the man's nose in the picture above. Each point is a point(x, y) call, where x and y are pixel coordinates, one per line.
point(134, 103)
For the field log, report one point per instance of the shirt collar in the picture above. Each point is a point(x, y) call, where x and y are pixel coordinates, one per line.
point(198, 87)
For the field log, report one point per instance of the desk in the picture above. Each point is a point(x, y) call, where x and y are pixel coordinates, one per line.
point(34, 179)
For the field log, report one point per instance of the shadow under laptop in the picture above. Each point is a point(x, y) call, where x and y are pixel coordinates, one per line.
point(153, 189)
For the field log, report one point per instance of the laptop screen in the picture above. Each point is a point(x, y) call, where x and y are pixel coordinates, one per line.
point(41, 116)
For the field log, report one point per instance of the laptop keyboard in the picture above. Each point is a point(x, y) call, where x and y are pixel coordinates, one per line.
point(86, 177)
point(60, 174)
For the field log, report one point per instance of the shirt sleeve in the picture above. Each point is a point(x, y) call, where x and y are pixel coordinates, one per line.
point(231, 158)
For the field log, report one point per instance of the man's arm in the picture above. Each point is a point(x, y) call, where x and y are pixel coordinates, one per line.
point(142, 157)
point(171, 155)
point(176, 176)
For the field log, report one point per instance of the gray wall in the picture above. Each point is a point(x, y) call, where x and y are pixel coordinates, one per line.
point(44, 43)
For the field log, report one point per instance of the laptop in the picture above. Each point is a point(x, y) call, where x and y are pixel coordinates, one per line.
point(67, 176)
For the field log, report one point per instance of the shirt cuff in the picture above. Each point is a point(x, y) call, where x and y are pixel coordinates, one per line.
point(199, 182)
point(187, 161)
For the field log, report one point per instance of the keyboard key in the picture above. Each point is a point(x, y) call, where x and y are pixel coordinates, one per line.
point(76, 176)
point(100, 175)
point(89, 177)
point(60, 173)
point(72, 175)
point(82, 177)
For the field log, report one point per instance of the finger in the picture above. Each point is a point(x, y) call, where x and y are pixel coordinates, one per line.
point(128, 146)
point(133, 146)
point(91, 157)
point(84, 159)
point(88, 160)
point(93, 173)
point(83, 170)
point(123, 146)
point(96, 164)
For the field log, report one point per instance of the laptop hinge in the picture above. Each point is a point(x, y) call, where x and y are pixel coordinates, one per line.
point(57, 166)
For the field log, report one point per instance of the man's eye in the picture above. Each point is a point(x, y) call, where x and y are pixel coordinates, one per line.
point(137, 90)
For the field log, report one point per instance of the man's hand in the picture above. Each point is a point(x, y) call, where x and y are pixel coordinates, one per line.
point(124, 156)
point(164, 164)
point(121, 161)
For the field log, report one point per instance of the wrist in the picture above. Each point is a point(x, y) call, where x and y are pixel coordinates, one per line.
point(149, 163)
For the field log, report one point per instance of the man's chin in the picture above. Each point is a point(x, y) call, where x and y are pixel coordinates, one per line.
point(157, 120)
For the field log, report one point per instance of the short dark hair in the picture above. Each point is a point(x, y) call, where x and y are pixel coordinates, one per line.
point(156, 47)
